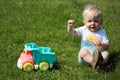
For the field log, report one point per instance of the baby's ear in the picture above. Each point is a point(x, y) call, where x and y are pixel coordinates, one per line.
point(83, 21)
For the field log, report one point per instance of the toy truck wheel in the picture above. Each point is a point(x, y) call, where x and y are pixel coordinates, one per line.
point(28, 67)
point(43, 66)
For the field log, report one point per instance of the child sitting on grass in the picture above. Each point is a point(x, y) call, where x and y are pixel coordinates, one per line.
point(92, 32)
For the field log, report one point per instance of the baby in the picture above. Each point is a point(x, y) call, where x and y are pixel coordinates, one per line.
point(94, 40)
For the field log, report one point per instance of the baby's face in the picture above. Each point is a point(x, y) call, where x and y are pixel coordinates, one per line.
point(93, 24)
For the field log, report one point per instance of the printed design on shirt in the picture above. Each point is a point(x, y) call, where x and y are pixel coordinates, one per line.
point(92, 38)
point(89, 42)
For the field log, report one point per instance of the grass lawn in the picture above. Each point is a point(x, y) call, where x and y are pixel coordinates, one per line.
point(45, 22)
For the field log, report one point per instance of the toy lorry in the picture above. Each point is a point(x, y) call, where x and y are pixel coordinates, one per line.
point(34, 57)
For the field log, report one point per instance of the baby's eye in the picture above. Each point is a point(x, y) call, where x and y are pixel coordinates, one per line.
point(89, 21)
point(95, 20)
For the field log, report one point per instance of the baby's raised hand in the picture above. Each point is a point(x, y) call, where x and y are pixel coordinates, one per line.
point(71, 23)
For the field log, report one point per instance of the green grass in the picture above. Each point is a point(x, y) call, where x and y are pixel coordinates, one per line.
point(44, 22)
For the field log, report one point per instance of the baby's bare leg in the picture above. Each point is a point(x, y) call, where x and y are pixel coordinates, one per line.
point(86, 55)
point(105, 56)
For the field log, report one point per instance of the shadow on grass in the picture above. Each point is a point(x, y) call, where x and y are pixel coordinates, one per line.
point(114, 59)
point(56, 66)
point(111, 64)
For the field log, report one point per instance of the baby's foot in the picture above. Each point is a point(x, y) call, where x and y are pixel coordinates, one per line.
point(95, 58)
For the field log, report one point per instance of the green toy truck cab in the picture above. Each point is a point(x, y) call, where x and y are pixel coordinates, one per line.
point(43, 57)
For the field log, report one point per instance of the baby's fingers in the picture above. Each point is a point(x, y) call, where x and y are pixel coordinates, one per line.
point(71, 21)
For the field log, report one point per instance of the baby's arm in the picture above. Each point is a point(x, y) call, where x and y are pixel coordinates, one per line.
point(104, 46)
point(70, 28)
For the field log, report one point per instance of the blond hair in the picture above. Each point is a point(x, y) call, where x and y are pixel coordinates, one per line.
point(92, 11)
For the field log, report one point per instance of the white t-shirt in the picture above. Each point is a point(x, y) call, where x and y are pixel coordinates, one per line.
point(84, 32)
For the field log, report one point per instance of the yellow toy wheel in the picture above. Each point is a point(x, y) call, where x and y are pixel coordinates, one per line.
point(43, 66)
point(28, 67)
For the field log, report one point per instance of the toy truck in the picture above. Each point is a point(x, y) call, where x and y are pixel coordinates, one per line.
point(34, 57)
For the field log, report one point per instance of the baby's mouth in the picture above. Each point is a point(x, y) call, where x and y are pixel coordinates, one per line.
point(92, 27)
